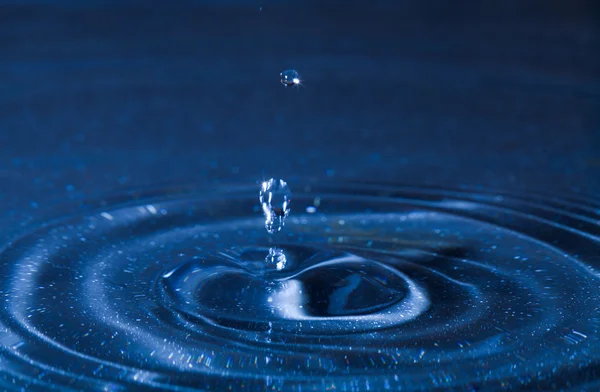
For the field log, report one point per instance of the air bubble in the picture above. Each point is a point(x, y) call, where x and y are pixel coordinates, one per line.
point(290, 78)
point(275, 198)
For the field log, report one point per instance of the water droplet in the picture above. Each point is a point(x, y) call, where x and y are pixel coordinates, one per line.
point(277, 258)
point(290, 78)
point(275, 198)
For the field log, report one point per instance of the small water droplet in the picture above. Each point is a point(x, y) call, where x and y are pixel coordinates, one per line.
point(277, 258)
point(290, 78)
point(275, 198)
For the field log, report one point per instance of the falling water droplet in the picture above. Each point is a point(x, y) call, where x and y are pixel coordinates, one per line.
point(275, 198)
point(290, 78)
point(277, 258)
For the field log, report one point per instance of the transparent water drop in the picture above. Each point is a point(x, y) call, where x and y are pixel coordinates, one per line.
point(277, 258)
point(289, 78)
point(275, 198)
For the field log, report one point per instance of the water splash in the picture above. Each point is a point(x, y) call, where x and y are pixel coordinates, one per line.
point(275, 198)
point(398, 288)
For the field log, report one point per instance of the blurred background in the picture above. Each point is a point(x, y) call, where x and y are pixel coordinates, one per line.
point(99, 96)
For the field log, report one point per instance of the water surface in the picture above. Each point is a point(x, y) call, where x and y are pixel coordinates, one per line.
point(383, 287)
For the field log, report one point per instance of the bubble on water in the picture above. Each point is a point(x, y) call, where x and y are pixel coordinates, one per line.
point(275, 198)
point(290, 78)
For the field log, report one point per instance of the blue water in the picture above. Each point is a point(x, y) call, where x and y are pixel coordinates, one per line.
point(444, 225)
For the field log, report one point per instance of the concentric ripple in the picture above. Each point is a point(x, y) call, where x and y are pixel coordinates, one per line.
point(383, 288)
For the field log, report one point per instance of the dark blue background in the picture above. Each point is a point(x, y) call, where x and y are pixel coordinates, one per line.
point(100, 96)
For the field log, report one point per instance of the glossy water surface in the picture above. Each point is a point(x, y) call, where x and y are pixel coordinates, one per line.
point(381, 288)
